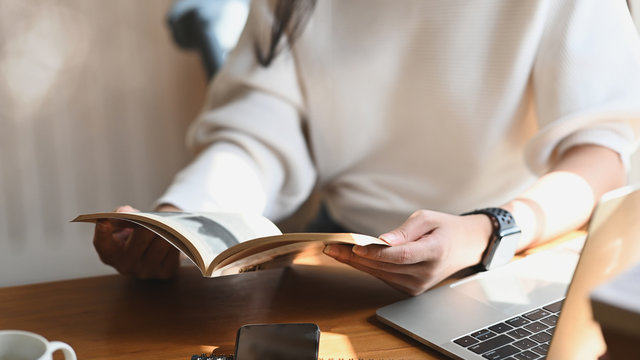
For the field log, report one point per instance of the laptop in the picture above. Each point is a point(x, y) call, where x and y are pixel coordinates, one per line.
point(533, 307)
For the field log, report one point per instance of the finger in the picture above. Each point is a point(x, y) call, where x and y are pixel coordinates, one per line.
point(407, 283)
point(108, 244)
point(121, 224)
point(134, 249)
point(170, 264)
point(152, 260)
point(102, 234)
point(411, 279)
point(403, 282)
point(349, 257)
point(418, 224)
point(345, 255)
point(427, 248)
point(126, 208)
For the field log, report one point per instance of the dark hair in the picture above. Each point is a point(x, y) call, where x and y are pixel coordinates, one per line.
point(289, 19)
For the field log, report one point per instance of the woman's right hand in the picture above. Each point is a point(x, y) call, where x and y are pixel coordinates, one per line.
point(134, 250)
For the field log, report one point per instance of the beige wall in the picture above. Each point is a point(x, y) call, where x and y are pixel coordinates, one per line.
point(94, 102)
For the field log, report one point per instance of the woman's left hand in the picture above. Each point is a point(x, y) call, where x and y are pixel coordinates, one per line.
point(426, 249)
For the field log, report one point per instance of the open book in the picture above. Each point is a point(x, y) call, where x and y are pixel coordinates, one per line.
point(229, 243)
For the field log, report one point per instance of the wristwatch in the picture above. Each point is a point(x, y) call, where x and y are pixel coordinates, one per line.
point(504, 239)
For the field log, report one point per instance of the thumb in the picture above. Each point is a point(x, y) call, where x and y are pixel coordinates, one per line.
point(395, 237)
point(126, 208)
point(420, 223)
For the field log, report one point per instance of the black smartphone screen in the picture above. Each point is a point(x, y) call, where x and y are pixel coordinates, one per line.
point(296, 341)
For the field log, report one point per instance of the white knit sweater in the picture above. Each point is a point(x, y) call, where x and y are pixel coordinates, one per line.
point(392, 106)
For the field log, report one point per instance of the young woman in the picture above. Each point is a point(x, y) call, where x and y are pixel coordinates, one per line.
point(407, 115)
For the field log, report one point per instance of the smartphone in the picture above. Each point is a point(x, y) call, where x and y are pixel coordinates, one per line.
point(292, 341)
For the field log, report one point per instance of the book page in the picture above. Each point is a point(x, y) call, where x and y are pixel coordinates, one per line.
point(279, 256)
point(253, 253)
point(204, 235)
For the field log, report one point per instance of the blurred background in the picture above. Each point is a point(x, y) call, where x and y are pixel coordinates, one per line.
point(95, 99)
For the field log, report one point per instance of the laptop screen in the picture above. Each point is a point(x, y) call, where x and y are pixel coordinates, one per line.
point(612, 246)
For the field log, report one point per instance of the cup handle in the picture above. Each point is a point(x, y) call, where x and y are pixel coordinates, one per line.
point(68, 352)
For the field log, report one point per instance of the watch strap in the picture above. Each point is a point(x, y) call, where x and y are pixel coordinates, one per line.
point(504, 237)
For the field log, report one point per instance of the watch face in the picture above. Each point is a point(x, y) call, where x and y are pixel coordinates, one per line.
point(513, 230)
point(504, 241)
point(501, 251)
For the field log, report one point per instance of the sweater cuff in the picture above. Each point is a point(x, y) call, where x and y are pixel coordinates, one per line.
point(610, 136)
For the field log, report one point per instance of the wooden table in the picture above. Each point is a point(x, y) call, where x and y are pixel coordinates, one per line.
point(116, 317)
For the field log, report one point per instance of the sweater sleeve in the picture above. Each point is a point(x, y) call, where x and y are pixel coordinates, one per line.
point(586, 81)
point(253, 154)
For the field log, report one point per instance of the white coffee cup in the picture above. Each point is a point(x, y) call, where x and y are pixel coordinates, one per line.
point(25, 345)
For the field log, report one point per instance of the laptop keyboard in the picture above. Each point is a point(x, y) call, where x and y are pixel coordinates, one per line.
point(523, 337)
